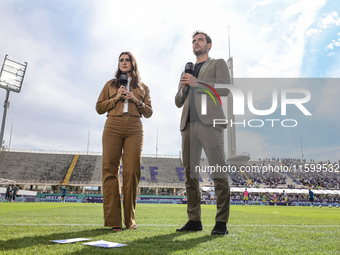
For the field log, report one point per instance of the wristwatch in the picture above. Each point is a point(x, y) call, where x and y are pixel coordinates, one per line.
point(140, 104)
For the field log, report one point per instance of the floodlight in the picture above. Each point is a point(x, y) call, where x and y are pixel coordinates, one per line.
point(11, 78)
point(12, 75)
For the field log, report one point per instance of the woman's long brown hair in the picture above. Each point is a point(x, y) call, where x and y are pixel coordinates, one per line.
point(134, 71)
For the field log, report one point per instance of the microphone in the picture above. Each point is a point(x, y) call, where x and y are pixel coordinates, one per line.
point(123, 80)
point(189, 68)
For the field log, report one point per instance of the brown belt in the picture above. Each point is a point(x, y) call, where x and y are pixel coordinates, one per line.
point(128, 114)
point(124, 114)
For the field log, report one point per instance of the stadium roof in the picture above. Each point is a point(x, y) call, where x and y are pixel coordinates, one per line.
point(6, 181)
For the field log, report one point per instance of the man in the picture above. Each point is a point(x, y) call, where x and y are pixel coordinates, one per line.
point(275, 200)
point(14, 192)
point(212, 196)
point(198, 132)
point(285, 197)
point(264, 200)
point(8, 194)
point(311, 197)
point(245, 197)
point(64, 193)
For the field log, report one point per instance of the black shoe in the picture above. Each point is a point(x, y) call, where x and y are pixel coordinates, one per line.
point(191, 226)
point(220, 229)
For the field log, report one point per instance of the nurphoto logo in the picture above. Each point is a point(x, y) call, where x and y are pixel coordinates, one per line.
point(239, 105)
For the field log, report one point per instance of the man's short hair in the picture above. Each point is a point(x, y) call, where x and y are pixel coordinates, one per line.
point(207, 37)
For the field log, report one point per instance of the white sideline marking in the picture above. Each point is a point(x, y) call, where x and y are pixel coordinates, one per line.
point(159, 225)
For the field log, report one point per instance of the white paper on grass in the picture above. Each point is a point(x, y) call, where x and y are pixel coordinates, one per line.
point(73, 240)
point(105, 244)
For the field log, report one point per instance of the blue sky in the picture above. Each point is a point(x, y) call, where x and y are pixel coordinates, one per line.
point(72, 48)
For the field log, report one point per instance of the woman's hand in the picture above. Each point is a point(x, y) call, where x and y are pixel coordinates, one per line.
point(121, 91)
point(130, 96)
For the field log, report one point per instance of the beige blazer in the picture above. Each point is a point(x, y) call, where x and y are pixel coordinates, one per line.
point(212, 72)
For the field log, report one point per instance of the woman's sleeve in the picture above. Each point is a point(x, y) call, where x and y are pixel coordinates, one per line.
point(146, 108)
point(104, 102)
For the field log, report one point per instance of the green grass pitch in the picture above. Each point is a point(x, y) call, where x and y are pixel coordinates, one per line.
point(27, 228)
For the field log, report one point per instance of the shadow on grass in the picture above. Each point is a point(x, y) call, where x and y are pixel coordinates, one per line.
point(27, 241)
point(158, 244)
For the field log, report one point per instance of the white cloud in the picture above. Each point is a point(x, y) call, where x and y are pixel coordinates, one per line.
point(266, 30)
point(329, 20)
point(333, 44)
point(264, 2)
point(325, 22)
point(66, 74)
point(330, 54)
point(303, 6)
point(329, 46)
point(255, 144)
point(321, 153)
point(328, 99)
point(313, 31)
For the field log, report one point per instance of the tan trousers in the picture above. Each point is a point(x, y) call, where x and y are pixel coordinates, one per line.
point(195, 136)
point(121, 133)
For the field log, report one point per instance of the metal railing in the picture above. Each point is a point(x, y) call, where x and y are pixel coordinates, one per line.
point(82, 153)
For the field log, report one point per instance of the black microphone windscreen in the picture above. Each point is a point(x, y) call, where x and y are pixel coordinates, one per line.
point(123, 79)
point(189, 68)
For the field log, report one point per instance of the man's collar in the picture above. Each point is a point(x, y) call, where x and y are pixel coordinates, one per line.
point(204, 60)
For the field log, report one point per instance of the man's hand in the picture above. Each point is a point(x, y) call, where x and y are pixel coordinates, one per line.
point(188, 79)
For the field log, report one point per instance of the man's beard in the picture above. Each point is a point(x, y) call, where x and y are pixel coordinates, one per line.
point(200, 52)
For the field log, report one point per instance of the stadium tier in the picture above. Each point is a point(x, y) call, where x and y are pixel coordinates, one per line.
point(26, 168)
point(46, 169)
point(34, 168)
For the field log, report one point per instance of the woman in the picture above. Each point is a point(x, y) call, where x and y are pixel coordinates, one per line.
point(123, 131)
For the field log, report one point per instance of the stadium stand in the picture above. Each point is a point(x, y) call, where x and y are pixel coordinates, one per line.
point(165, 171)
point(47, 169)
point(87, 170)
point(51, 169)
point(70, 170)
point(33, 168)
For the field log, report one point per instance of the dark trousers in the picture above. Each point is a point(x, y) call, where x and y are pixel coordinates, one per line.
point(196, 136)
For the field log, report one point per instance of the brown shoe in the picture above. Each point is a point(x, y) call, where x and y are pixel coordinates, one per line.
point(117, 229)
point(134, 226)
